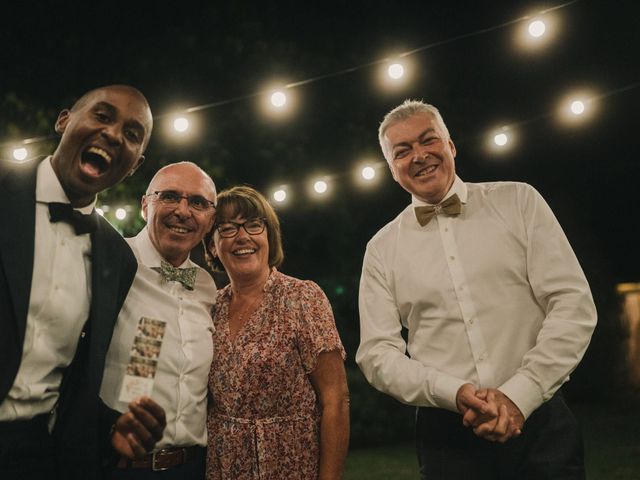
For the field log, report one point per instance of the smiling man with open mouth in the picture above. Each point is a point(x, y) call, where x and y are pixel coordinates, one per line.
point(103, 139)
point(64, 273)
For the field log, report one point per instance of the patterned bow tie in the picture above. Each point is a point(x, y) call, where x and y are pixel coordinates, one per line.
point(64, 212)
point(451, 206)
point(186, 276)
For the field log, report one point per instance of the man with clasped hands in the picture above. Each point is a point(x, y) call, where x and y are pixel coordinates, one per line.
point(497, 308)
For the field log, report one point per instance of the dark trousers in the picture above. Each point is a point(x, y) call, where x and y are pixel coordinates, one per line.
point(193, 470)
point(26, 450)
point(550, 447)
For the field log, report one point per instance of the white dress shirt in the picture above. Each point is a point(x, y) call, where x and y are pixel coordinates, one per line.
point(494, 296)
point(58, 304)
point(180, 384)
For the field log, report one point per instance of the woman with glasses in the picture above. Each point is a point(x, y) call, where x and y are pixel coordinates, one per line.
point(278, 405)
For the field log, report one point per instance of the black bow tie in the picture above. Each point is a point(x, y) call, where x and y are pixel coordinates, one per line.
point(64, 212)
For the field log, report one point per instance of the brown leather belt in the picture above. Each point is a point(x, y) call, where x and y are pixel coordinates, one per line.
point(162, 459)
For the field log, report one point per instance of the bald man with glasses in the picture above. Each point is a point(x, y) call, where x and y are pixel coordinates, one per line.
point(162, 342)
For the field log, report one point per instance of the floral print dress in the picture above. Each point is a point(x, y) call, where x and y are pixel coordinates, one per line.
point(263, 415)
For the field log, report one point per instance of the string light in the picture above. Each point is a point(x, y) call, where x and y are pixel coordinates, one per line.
point(278, 99)
point(537, 28)
point(280, 195)
point(181, 124)
point(121, 214)
point(538, 31)
point(181, 127)
point(368, 173)
point(320, 187)
point(20, 153)
point(500, 139)
point(397, 67)
point(577, 107)
point(395, 71)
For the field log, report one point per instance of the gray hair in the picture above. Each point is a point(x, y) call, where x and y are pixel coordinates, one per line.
point(406, 110)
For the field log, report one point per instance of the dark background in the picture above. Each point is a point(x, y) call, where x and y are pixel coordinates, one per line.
point(185, 55)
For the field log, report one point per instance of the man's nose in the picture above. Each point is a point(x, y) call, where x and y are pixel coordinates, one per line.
point(113, 134)
point(182, 208)
point(420, 153)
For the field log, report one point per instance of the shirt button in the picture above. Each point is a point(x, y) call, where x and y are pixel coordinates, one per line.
point(452, 257)
point(471, 321)
point(446, 229)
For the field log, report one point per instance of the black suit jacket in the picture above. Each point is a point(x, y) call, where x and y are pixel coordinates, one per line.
point(80, 432)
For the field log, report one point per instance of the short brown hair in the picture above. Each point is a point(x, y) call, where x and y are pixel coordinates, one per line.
point(247, 202)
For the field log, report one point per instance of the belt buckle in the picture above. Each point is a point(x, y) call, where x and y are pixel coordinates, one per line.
point(153, 463)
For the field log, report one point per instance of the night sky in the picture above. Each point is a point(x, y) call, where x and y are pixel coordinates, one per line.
point(183, 56)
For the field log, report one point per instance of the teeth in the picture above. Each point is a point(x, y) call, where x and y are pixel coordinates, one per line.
point(179, 229)
point(244, 251)
point(101, 152)
point(427, 170)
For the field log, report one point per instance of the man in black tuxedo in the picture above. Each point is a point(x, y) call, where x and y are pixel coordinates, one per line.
point(64, 274)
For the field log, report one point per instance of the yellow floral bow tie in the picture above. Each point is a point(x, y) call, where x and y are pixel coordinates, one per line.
point(451, 206)
point(186, 276)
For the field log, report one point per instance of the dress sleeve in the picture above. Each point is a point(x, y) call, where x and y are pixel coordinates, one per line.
point(317, 331)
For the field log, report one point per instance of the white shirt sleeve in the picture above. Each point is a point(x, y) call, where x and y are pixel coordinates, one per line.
point(382, 352)
point(559, 285)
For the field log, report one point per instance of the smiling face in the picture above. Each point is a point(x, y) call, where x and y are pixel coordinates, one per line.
point(103, 140)
point(245, 257)
point(421, 157)
point(175, 230)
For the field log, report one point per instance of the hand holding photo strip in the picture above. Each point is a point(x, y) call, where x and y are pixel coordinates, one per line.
point(141, 370)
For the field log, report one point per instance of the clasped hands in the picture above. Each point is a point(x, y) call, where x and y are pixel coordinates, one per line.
point(491, 414)
point(137, 431)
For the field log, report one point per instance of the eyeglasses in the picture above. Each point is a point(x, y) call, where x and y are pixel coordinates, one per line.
point(253, 226)
point(171, 198)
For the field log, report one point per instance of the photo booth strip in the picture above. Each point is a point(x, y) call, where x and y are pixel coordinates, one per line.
point(143, 362)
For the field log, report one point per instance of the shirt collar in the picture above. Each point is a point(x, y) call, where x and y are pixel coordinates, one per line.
point(49, 189)
point(458, 187)
point(147, 253)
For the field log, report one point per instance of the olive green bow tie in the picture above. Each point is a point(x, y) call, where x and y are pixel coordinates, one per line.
point(186, 276)
point(451, 206)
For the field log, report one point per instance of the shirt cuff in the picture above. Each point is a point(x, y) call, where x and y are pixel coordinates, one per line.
point(524, 392)
point(445, 391)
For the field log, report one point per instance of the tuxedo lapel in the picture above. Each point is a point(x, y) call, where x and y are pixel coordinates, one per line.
point(111, 278)
point(17, 209)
